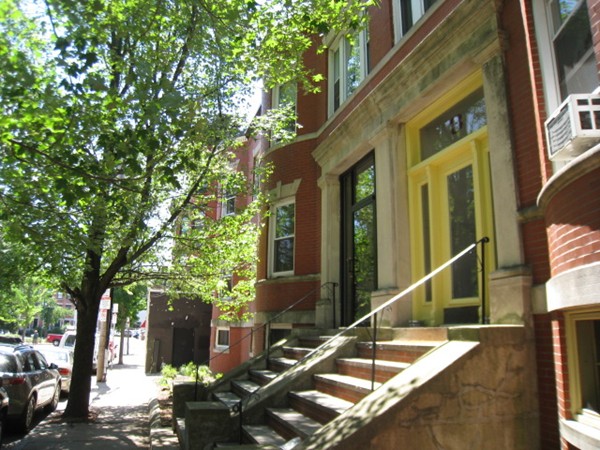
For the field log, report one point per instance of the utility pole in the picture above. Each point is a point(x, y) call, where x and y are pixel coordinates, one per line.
point(105, 317)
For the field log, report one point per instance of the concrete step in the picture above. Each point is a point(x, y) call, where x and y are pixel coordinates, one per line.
point(281, 364)
point(346, 387)
point(407, 351)
point(363, 368)
point(263, 435)
point(263, 376)
point(229, 398)
point(246, 447)
point(290, 423)
point(244, 388)
point(312, 341)
point(318, 405)
point(296, 353)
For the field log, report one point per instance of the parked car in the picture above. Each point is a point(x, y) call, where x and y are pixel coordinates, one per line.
point(54, 338)
point(10, 339)
point(70, 337)
point(63, 358)
point(30, 382)
point(68, 341)
point(4, 401)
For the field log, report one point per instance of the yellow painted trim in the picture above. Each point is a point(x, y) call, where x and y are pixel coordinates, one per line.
point(472, 150)
point(573, 356)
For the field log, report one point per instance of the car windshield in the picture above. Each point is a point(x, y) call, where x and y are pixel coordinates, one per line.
point(8, 363)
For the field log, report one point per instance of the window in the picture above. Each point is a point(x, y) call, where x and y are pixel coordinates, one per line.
point(573, 48)
point(222, 338)
point(282, 238)
point(348, 66)
point(226, 287)
point(584, 339)
point(286, 96)
point(564, 36)
point(228, 203)
point(407, 13)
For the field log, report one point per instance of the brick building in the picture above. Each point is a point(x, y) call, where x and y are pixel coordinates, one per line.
point(428, 134)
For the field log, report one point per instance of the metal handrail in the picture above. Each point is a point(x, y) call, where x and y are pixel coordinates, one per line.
point(373, 313)
point(402, 294)
point(264, 325)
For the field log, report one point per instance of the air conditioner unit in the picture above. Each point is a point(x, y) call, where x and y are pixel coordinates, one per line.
point(574, 127)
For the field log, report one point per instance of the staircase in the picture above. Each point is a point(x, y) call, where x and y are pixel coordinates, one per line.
point(303, 411)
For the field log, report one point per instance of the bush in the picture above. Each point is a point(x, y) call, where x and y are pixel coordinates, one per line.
point(168, 373)
point(205, 375)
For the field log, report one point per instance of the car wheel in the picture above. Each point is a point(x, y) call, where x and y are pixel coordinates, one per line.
point(55, 342)
point(54, 403)
point(27, 417)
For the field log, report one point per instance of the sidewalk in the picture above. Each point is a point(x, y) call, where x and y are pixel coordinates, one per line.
point(121, 405)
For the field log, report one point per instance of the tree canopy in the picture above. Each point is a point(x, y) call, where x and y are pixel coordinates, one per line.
point(118, 119)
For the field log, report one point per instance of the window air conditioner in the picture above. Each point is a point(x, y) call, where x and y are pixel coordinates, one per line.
point(574, 127)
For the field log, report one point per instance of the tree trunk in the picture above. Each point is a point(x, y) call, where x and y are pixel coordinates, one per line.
point(81, 378)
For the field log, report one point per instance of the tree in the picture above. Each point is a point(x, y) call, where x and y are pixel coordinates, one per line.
point(24, 302)
point(117, 121)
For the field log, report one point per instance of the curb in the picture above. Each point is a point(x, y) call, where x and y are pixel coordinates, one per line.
point(160, 437)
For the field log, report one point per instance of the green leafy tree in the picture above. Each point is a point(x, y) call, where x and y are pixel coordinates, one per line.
point(117, 121)
point(51, 313)
point(24, 302)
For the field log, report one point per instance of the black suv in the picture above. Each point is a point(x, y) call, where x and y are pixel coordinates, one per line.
point(30, 382)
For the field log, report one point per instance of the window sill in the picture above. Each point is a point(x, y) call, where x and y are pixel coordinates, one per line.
point(222, 349)
point(579, 434)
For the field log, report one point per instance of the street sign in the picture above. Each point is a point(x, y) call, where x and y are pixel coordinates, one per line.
point(103, 315)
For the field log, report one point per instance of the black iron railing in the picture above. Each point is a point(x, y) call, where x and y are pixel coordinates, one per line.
point(374, 313)
point(330, 286)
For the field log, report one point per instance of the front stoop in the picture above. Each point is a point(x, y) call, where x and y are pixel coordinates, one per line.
point(327, 401)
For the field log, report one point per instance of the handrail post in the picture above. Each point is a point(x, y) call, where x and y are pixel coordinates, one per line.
point(268, 339)
point(241, 431)
point(374, 352)
point(333, 285)
point(483, 241)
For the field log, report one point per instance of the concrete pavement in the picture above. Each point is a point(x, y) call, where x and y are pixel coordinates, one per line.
point(121, 404)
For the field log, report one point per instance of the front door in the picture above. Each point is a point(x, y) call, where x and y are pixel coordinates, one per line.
point(183, 346)
point(359, 240)
point(451, 209)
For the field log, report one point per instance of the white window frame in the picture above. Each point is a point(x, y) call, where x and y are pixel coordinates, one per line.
point(276, 96)
point(227, 197)
point(339, 45)
point(276, 102)
point(272, 238)
point(417, 11)
point(544, 27)
point(218, 331)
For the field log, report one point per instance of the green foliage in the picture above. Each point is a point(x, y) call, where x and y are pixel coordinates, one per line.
point(119, 119)
point(24, 302)
point(168, 374)
point(190, 370)
point(131, 300)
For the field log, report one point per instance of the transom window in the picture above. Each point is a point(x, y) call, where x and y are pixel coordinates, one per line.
point(407, 13)
point(464, 118)
point(283, 221)
point(348, 66)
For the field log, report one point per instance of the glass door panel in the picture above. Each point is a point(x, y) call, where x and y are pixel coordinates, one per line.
point(461, 216)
